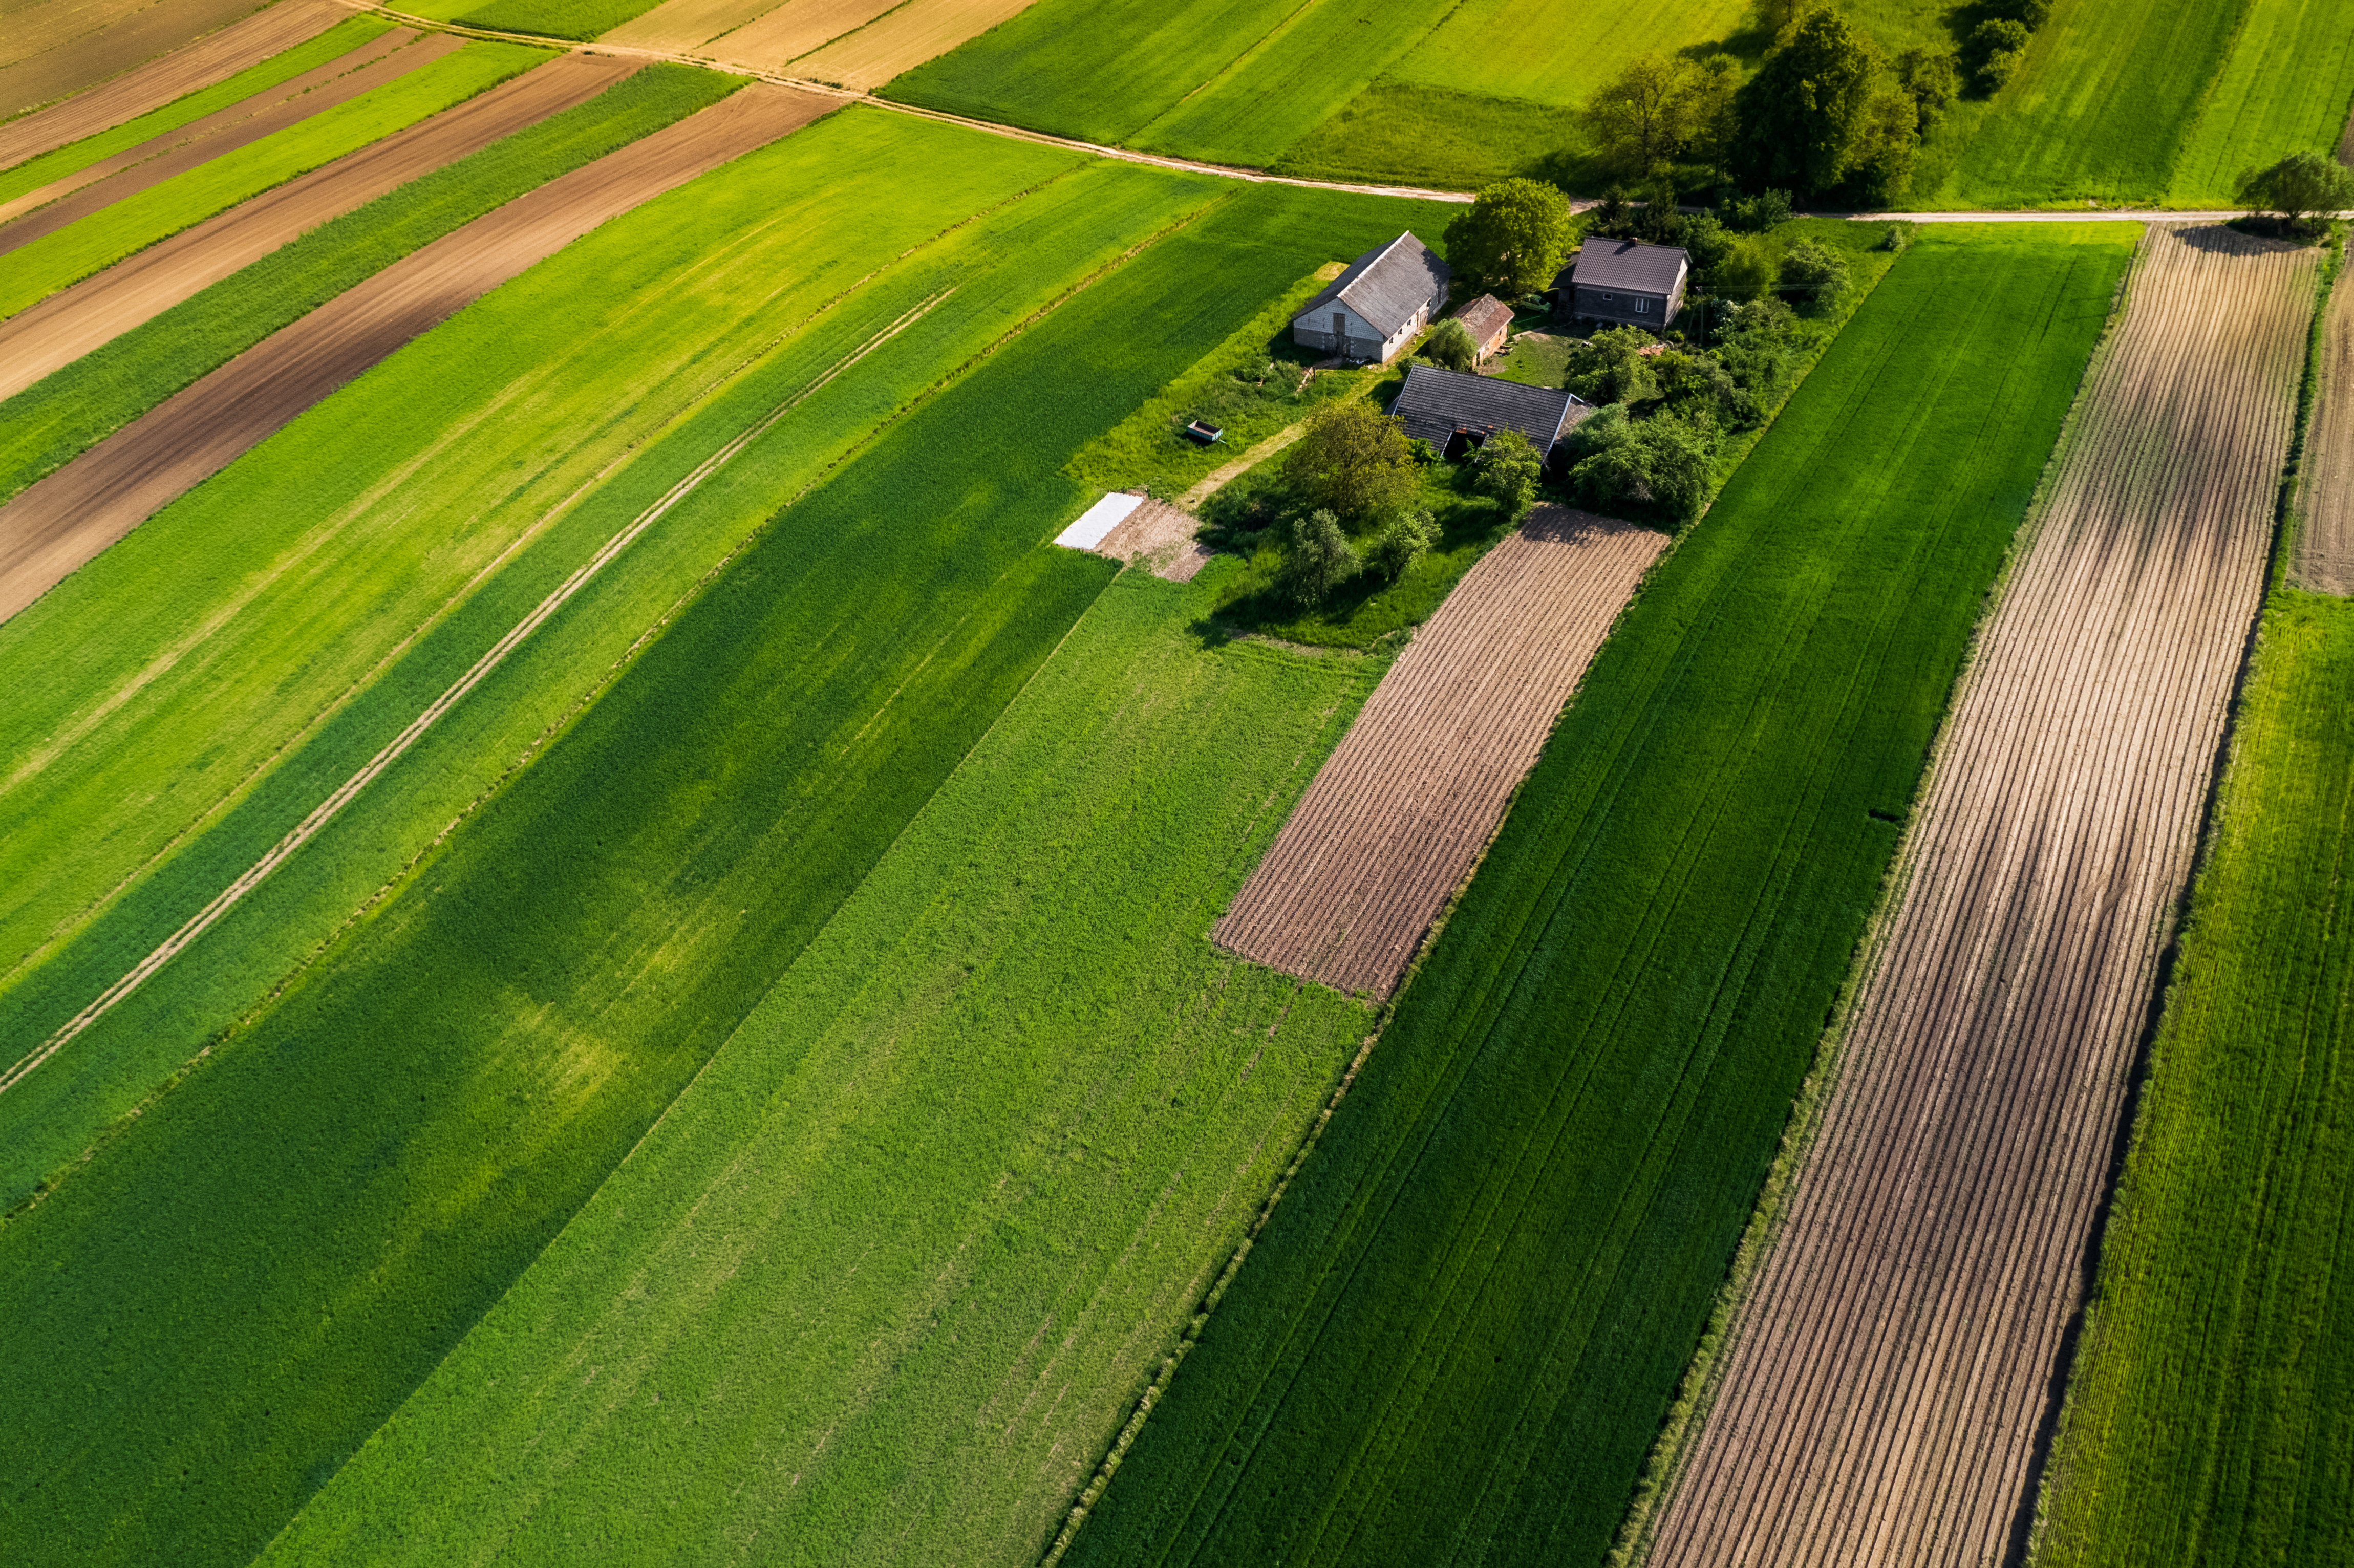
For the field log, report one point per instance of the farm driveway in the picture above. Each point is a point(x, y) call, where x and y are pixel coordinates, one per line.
point(1886, 1387)
point(66, 519)
point(1402, 808)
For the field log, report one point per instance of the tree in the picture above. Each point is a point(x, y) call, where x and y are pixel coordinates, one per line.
point(1508, 471)
point(1405, 540)
point(1317, 558)
point(1706, 241)
point(1715, 123)
point(1450, 344)
point(1747, 271)
point(2299, 183)
point(1352, 462)
point(2027, 14)
point(1803, 115)
point(1934, 79)
point(1776, 18)
point(1610, 367)
point(1513, 237)
point(1643, 116)
point(1814, 273)
point(1658, 465)
point(1891, 143)
point(1998, 46)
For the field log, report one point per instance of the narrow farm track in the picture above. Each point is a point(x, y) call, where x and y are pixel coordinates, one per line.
point(2325, 541)
point(177, 74)
point(372, 65)
point(224, 130)
point(1885, 1389)
point(69, 323)
point(55, 525)
point(52, 47)
point(1399, 813)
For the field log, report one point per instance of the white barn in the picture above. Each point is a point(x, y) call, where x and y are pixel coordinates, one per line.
point(1374, 309)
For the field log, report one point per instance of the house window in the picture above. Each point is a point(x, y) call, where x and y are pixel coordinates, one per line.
point(1642, 307)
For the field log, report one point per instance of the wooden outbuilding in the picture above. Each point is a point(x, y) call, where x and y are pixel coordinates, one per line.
point(1489, 322)
point(1456, 413)
point(1623, 281)
point(1372, 309)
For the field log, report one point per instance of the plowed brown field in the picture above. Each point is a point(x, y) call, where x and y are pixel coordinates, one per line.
point(66, 326)
point(796, 28)
point(1886, 1384)
point(177, 74)
point(896, 41)
point(52, 47)
point(51, 207)
point(2325, 541)
point(54, 527)
point(1402, 809)
point(683, 25)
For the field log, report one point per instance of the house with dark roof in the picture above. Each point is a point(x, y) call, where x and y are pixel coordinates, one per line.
point(1624, 280)
point(1489, 319)
point(1456, 413)
point(1376, 305)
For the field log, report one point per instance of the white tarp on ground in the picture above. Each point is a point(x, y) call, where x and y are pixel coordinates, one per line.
point(1100, 520)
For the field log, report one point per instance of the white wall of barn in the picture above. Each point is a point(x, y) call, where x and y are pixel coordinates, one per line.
point(1362, 340)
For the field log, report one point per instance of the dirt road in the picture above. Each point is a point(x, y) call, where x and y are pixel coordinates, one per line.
point(68, 324)
point(1887, 1382)
point(2324, 501)
point(54, 527)
point(1401, 810)
point(50, 208)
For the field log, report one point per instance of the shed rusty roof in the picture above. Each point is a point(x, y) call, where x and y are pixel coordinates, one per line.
point(1486, 316)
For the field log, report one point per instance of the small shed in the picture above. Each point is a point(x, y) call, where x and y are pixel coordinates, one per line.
point(1490, 321)
point(1623, 281)
point(1376, 305)
point(1456, 412)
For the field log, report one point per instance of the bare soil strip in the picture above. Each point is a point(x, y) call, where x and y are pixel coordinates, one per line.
point(373, 69)
point(232, 125)
point(899, 40)
point(1403, 808)
point(55, 525)
point(796, 28)
point(177, 74)
point(49, 51)
point(1158, 537)
point(1885, 1385)
point(2324, 540)
point(687, 25)
point(68, 324)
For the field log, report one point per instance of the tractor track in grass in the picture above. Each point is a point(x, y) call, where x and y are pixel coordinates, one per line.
point(1890, 1382)
point(51, 334)
point(1400, 812)
point(58, 523)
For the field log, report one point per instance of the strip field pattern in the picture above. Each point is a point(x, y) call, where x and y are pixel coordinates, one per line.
point(1886, 1386)
point(1399, 815)
point(61, 522)
point(2325, 539)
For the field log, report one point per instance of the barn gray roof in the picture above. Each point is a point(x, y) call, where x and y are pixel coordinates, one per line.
point(1434, 402)
point(1627, 264)
point(1387, 284)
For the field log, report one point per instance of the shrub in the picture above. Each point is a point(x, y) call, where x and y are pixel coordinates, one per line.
point(1506, 472)
point(1658, 465)
point(1450, 344)
point(2000, 47)
point(1755, 214)
point(2027, 14)
point(1814, 273)
point(1352, 462)
point(1706, 241)
point(1610, 367)
point(1933, 77)
point(1406, 539)
point(1317, 558)
point(1747, 271)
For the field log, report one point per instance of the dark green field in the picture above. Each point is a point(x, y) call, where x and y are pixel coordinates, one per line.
point(1456, 1342)
point(2210, 1417)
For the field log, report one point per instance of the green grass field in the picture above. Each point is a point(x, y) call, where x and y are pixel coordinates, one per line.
point(961, 1116)
point(340, 595)
point(342, 38)
point(50, 423)
point(33, 271)
point(2286, 86)
point(1457, 1339)
point(291, 1238)
point(2208, 1417)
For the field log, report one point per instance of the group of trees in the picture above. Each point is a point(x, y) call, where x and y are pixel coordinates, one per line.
point(1351, 499)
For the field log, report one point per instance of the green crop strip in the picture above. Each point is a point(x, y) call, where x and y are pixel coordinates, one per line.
point(293, 1237)
point(580, 19)
point(342, 38)
point(1460, 1331)
point(962, 1113)
point(2211, 1416)
point(57, 260)
point(51, 422)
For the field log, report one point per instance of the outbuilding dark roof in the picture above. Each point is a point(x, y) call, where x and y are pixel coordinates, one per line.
point(1387, 284)
point(1434, 402)
point(1486, 316)
point(1627, 264)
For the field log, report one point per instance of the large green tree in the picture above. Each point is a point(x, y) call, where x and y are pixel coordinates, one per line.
point(1352, 462)
point(1643, 116)
point(1512, 238)
point(2299, 183)
point(1806, 116)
